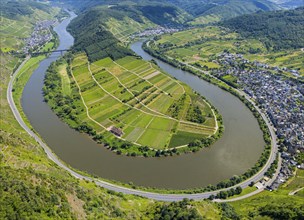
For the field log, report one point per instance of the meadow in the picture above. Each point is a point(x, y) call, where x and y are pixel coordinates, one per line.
point(148, 106)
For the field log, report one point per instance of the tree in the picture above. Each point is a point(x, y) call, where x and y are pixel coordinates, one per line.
point(238, 190)
point(222, 195)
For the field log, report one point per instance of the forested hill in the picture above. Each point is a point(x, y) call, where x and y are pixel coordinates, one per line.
point(94, 32)
point(278, 30)
point(163, 14)
point(92, 37)
point(224, 8)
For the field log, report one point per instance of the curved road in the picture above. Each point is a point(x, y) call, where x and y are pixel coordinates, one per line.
point(116, 188)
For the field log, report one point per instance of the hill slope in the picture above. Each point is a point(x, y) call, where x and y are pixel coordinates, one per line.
point(278, 30)
point(205, 7)
point(92, 36)
point(207, 11)
point(95, 32)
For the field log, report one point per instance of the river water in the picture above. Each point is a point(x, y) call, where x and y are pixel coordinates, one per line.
point(238, 149)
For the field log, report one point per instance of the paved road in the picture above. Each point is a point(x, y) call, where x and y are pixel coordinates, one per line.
point(269, 183)
point(116, 188)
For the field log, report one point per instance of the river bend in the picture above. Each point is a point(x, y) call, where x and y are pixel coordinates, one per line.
point(239, 148)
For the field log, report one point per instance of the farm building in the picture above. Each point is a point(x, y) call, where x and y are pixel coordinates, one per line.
point(116, 131)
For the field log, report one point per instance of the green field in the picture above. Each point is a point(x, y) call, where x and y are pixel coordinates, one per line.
point(149, 107)
point(65, 80)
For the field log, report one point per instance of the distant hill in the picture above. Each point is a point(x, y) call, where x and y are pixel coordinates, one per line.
point(163, 14)
point(199, 7)
point(181, 9)
point(224, 9)
point(289, 3)
point(278, 29)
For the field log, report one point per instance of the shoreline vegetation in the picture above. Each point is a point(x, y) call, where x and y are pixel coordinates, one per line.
point(72, 105)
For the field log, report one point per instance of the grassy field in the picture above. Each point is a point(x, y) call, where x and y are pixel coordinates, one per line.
point(65, 80)
point(140, 100)
point(199, 46)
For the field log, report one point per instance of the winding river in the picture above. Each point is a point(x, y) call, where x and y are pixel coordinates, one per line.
point(238, 149)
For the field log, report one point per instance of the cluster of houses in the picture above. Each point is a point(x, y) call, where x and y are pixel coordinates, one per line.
point(280, 97)
point(40, 36)
point(159, 30)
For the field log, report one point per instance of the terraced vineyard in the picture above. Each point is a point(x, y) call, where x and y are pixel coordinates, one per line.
point(137, 102)
point(122, 29)
point(200, 46)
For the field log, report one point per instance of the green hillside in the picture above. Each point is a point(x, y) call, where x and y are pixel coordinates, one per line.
point(221, 7)
point(101, 30)
point(92, 37)
point(208, 11)
point(277, 30)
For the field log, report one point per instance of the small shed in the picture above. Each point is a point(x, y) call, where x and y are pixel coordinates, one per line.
point(118, 132)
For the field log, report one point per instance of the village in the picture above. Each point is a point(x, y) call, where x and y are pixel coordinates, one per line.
point(159, 30)
point(280, 97)
point(40, 36)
